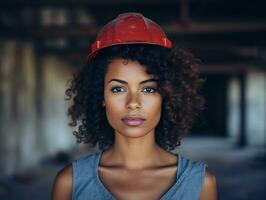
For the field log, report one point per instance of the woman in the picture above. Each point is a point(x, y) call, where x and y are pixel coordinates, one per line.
point(135, 98)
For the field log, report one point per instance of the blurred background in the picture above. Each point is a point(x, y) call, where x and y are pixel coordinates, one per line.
point(42, 42)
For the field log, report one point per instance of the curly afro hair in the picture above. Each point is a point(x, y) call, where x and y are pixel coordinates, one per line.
point(179, 83)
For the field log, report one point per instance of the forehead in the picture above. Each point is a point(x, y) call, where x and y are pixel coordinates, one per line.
point(127, 70)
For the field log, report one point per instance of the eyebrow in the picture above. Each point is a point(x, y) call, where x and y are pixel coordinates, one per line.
point(124, 82)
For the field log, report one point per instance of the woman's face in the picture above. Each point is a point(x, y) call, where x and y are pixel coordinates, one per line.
point(133, 104)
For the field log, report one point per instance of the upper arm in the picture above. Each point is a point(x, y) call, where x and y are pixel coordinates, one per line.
point(62, 186)
point(209, 188)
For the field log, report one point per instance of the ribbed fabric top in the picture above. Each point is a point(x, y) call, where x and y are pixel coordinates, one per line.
point(88, 186)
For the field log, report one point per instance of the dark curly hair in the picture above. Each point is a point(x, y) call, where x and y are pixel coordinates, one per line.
point(179, 83)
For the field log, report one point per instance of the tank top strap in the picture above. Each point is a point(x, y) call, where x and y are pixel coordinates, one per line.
point(190, 179)
point(84, 166)
point(82, 173)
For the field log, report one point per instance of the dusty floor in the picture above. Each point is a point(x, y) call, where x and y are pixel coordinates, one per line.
point(240, 173)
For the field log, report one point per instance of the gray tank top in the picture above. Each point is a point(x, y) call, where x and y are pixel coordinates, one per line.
point(88, 186)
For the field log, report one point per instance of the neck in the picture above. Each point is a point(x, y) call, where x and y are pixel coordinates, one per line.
point(135, 153)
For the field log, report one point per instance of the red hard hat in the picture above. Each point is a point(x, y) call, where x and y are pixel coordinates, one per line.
point(129, 28)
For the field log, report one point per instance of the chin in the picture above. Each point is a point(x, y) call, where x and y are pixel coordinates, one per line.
point(133, 132)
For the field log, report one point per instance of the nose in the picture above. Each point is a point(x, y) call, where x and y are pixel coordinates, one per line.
point(134, 101)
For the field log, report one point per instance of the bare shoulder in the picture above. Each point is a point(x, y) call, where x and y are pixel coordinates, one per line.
point(62, 186)
point(209, 187)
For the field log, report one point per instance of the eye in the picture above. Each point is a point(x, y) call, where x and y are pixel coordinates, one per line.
point(149, 90)
point(117, 89)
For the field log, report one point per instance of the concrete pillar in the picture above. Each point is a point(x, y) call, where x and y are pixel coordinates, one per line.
point(18, 115)
point(31, 128)
point(247, 109)
point(256, 106)
point(8, 125)
point(242, 142)
point(233, 118)
point(26, 147)
point(57, 134)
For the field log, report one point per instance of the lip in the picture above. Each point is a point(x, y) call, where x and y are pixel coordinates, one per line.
point(133, 121)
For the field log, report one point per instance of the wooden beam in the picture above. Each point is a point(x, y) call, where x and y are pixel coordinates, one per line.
point(230, 68)
point(192, 28)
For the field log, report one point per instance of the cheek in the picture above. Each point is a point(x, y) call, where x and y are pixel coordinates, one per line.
point(114, 108)
point(153, 107)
